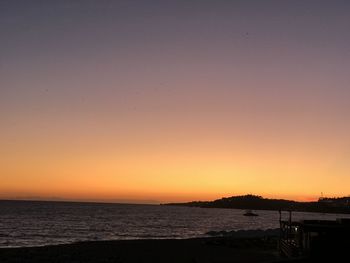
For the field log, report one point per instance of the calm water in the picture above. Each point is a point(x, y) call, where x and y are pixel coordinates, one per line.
point(43, 223)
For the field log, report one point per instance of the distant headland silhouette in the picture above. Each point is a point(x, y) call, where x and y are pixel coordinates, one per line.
point(323, 205)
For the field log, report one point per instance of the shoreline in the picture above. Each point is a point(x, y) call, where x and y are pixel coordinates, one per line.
point(233, 234)
point(206, 249)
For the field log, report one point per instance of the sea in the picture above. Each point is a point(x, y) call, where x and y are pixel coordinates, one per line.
point(37, 223)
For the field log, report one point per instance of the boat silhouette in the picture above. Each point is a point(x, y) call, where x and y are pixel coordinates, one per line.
point(249, 213)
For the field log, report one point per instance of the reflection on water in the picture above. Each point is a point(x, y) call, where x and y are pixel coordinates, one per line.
point(43, 223)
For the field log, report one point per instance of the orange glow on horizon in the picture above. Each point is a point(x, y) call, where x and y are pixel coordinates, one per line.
point(168, 173)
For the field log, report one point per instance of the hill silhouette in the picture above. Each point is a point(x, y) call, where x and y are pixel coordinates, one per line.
point(323, 205)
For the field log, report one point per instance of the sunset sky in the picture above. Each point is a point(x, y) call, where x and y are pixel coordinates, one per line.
point(174, 100)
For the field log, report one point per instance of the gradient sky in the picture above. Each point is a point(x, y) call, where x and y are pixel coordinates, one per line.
point(174, 100)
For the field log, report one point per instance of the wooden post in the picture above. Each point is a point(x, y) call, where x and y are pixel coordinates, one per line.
point(290, 225)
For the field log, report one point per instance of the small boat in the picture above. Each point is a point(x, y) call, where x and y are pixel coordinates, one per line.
point(249, 213)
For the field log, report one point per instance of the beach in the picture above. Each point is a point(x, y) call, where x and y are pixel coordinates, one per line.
point(213, 249)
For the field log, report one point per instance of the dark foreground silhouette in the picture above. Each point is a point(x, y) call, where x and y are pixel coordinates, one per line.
point(215, 249)
point(323, 205)
point(254, 246)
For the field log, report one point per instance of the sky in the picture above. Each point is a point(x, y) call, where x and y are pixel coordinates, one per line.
point(171, 101)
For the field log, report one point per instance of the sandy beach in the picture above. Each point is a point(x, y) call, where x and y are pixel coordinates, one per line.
point(215, 249)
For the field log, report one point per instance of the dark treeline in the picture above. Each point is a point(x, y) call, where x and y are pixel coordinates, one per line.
point(323, 205)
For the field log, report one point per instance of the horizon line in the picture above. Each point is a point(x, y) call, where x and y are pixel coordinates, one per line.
point(94, 201)
point(135, 201)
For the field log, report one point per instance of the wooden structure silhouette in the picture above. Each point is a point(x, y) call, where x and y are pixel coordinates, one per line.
point(314, 238)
